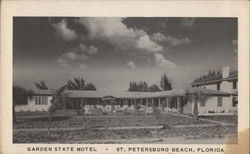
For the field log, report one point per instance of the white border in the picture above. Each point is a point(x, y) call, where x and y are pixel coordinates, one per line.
point(9, 9)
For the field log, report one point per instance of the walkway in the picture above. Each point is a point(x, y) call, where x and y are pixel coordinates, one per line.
point(203, 119)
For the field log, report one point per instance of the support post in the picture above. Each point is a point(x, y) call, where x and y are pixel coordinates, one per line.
point(159, 103)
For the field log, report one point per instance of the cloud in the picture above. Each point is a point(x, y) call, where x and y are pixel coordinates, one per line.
point(162, 62)
point(107, 28)
point(187, 22)
point(62, 62)
point(83, 66)
point(64, 32)
point(170, 40)
point(186, 40)
point(158, 37)
point(90, 50)
point(235, 45)
point(144, 42)
point(114, 31)
point(131, 65)
point(82, 47)
point(82, 57)
point(69, 56)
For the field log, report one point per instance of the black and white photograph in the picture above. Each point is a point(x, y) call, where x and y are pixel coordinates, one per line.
point(125, 80)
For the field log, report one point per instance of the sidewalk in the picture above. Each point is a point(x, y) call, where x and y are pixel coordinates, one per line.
point(209, 120)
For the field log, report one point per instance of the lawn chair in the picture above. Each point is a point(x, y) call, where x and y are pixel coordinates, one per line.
point(87, 112)
point(149, 110)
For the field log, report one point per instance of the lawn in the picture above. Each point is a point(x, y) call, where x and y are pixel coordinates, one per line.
point(107, 121)
point(223, 118)
point(88, 129)
point(86, 135)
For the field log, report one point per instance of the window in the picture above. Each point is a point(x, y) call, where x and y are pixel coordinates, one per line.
point(36, 100)
point(41, 100)
point(235, 84)
point(203, 104)
point(219, 101)
point(45, 100)
point(235, 101)
point(121, 103)
point(218, 86)
point(130, 102)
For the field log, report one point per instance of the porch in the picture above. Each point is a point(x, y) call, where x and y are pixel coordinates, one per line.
point(110, 104)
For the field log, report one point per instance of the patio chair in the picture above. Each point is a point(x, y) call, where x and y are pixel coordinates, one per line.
point(87, 112)
point(149, 111)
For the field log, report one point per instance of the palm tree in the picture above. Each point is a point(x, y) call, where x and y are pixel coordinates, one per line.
point(20, 96)
point(133, 86)
point(165, 83)
point(90, 86)
point(195, 95)
point(41, 85)
point(154, 88)
point(56, 101)
point(78, 83)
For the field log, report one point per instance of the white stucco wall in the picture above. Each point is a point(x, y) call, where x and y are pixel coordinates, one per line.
point(226, 86)
point(211, 105)
point(188, 108)
point(31, 106)
point(211, 86)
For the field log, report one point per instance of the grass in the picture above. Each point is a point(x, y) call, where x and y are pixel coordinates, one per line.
point(90, 123)
point(106, 121)
point(223, 118)
point(85, 135)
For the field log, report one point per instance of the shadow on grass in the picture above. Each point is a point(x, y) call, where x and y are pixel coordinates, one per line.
point(46, 119)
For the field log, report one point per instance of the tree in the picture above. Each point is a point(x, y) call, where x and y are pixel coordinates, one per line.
point(20, 96)
point(133, 86)
point(56, 101)
point(41, 85)
point(78, 83)
point(154, 88)
point(196, 96)
point(90, 86)
point(165, 83)
point(142, 86)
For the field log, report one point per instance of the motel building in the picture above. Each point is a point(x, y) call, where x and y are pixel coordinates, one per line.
point(97, 102)
point(227, 81)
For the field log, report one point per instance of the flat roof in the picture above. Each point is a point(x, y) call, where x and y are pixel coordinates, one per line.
point(233, 75)
point(126, 94)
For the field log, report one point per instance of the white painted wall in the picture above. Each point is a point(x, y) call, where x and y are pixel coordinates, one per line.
point(211, 105)
point(31, 106)
point(226, 86)
point(188, 108)
point(211, 86)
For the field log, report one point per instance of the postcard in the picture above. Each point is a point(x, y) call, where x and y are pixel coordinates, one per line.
point(124, 77)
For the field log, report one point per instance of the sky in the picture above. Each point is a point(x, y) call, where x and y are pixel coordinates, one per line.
point(111, 52)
